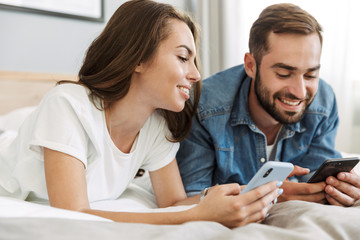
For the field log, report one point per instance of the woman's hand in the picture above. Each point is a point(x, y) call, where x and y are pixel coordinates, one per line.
point(225, 204)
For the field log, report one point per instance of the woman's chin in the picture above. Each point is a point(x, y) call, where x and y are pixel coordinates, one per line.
point(177, 108)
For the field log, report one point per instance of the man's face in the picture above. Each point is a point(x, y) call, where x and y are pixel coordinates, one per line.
point(287, 79)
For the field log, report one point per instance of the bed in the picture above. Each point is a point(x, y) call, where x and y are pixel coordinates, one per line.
point(19, 94)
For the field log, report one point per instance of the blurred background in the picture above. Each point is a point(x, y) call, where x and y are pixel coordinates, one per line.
point(45, 43)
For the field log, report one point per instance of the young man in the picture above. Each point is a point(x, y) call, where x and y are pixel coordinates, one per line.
point(272, 108)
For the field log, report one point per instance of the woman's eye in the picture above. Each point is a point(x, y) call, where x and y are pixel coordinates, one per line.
point(182, 59)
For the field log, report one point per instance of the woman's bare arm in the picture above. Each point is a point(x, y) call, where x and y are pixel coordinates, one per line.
point(67, 189)
point(66, 184)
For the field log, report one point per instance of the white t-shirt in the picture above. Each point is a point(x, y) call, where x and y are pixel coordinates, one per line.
point(67, 121)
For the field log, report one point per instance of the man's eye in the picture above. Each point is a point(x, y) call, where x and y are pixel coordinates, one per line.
point(283, 75)
point(309, 77)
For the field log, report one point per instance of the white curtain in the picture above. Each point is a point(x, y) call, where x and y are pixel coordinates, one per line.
point(225, 31)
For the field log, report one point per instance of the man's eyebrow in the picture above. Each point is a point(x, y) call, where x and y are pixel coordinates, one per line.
point(291, 68)
point(314, 68)
point(187, 48)
point(283, 65)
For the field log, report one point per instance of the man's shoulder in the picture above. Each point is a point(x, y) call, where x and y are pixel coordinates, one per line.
point(220, 89)
point(324, 101)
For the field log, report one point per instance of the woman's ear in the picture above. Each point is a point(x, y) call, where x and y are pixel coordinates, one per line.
point(139, 68)
point(250, 65)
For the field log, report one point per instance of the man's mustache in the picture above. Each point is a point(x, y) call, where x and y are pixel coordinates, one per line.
point(292, 97)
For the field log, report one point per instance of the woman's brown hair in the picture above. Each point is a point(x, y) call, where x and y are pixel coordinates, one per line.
point(280, 18)
point(132, 36)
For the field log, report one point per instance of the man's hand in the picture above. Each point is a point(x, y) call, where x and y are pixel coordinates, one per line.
point(299, 171)
point(310, 192)
point(313, 192)
point(343, 190)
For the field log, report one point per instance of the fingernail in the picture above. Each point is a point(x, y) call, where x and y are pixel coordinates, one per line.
point(267, 215)
point(278, 184)
point(329, 189)
point(275, 201)
point(280, 191)
point(342, 176)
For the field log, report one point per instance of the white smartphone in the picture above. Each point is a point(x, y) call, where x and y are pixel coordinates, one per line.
point(270, 171)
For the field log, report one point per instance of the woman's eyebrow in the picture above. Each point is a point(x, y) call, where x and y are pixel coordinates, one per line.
point(187, 48)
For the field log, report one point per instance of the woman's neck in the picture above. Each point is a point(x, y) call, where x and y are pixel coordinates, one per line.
point(124, 120)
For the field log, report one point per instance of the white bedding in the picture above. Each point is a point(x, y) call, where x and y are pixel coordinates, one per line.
point(15, 208)
point(290, 220)
point(11, 121)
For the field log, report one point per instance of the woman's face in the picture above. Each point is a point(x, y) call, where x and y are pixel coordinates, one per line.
point(165, 80)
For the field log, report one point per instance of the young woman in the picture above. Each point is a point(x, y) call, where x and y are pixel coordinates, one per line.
point(86, 140)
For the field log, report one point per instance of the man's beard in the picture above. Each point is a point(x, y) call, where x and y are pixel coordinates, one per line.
point(264, 98)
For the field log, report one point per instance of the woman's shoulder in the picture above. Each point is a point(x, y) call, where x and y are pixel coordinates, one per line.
point(74, 95)
point(69, 90)
point(71, 100)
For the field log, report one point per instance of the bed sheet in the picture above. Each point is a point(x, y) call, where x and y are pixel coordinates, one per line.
point(15, 208)
point(290, 220)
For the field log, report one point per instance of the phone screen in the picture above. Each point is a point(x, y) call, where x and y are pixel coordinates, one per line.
point(332, 167)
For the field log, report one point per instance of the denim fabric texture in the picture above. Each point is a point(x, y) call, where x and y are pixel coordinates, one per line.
point(225, 146)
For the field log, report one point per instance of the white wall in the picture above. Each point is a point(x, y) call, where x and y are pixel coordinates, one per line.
point(35, 42)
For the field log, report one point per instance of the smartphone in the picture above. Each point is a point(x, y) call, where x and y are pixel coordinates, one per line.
point(332, 167)
point(270, 171)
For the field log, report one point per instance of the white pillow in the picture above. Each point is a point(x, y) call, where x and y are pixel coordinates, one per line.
point(13, 120)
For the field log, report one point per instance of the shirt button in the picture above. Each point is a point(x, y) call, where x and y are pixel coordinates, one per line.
point(262, 160)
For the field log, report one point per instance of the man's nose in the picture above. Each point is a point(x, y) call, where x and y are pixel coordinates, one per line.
point(298, 87)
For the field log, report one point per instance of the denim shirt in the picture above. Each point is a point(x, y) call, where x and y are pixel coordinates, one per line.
point(225, 146)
